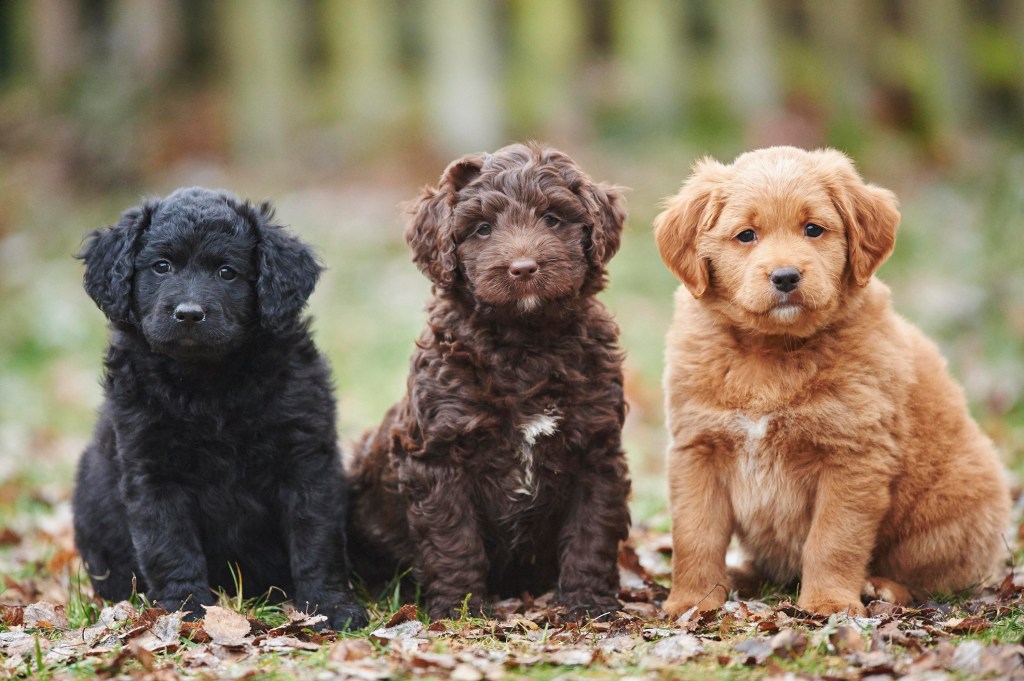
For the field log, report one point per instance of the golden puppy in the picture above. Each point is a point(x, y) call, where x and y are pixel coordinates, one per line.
point(806, 416)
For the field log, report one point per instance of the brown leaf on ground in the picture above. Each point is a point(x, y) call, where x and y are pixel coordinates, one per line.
point(43, 615)
point(225, 626)
point(846, 639)
point(404, 614)
point(753, 651)
point(348, 649)
point(676, 649)
point(966, 625)
point(12, 615)
point(789, 643)
point(407, 629)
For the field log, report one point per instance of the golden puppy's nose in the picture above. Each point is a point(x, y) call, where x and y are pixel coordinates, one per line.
point(785, 279)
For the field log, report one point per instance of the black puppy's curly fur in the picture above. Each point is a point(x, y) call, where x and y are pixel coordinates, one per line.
point(216, 444)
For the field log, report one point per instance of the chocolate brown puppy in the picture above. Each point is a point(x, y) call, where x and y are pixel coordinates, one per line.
point(501, 470)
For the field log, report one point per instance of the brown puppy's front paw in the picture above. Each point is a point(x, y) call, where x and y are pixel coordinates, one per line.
point(746, 581)
point(829, 604)
point(883, 589)
point(581, 606)
point(445, 608)
point(678, 602)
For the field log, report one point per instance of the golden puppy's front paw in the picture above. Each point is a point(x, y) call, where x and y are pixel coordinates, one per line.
point(828, 604)
point(678, 603)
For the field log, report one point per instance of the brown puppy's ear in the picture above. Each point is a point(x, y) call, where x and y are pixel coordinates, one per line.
point(430, 233)
point(871, 215)
point(608, 204)
point(687, 215)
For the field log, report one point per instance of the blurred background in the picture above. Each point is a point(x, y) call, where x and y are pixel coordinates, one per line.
point(340, 110)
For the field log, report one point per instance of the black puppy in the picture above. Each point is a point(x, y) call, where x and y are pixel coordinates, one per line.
point(215, 448)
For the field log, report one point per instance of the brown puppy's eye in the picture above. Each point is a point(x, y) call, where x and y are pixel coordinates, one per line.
point(161, 267)
point(484, 230)
point(746, 236)
point(814, 231)
point(552, 220)
point(226, 273)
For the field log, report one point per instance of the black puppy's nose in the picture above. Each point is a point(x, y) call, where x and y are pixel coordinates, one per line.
point(785, 279)
point(190, 313)
point(524, 268)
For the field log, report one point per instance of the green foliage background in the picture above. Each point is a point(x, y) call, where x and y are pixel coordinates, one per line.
point(340, 110)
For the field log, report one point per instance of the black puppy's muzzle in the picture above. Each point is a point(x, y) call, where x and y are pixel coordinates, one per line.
point(189, 314)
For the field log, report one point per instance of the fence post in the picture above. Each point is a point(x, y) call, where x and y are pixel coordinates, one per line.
point(546, 57)
point(260, 47)
point(462, 73)
point(651, 75)
point(363, 73)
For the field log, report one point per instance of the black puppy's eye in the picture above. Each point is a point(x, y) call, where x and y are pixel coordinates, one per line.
point(814, 231)
point(226, 273)
point(483, 229)
point(161, 267)
point(746, 236)
point(552, 220)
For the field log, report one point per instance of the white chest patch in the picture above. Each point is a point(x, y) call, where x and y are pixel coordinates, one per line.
point(537, 427)
point(770, 506)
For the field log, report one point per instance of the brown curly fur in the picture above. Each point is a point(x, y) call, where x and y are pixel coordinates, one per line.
point(450, 483)
point(817, 425)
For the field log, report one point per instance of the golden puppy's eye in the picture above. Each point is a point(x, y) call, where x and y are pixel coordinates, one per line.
point(814, 231)
point(747, 236)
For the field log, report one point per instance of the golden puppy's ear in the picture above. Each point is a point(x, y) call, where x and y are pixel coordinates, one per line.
point(871, 215)
point(687, 215)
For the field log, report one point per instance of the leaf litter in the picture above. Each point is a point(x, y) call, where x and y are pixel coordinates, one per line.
point(43, 635)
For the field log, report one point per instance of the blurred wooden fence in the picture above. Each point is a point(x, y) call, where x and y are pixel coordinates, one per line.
point(469, 74)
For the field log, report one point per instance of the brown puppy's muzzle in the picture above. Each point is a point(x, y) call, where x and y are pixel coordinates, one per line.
point(523, 269)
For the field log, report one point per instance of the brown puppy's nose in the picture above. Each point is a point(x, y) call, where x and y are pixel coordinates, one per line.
point(785, 279)
point(524, 268)
point(189, 313)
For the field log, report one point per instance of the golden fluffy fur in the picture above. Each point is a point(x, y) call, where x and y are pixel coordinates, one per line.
point(816, 424)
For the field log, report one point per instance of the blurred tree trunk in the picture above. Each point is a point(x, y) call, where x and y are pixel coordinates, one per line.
point(263, 75)
point(147, 38)
point(363, 72)
point(839, 27)
point(462, 75)
point(56, 44)
point(1015, 25)
point(545, 59)
point(946, 86)
point(745, 57)
point(652, 77)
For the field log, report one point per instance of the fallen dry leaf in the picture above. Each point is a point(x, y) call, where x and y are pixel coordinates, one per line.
point(43, 615)
point(225, 626)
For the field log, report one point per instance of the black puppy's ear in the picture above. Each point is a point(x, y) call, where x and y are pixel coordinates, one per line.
point(287, 269)
point(431, 234)
point(109, 256)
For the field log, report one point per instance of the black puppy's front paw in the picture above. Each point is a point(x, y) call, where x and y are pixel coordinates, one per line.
point(342, 613)
point(189, 601)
